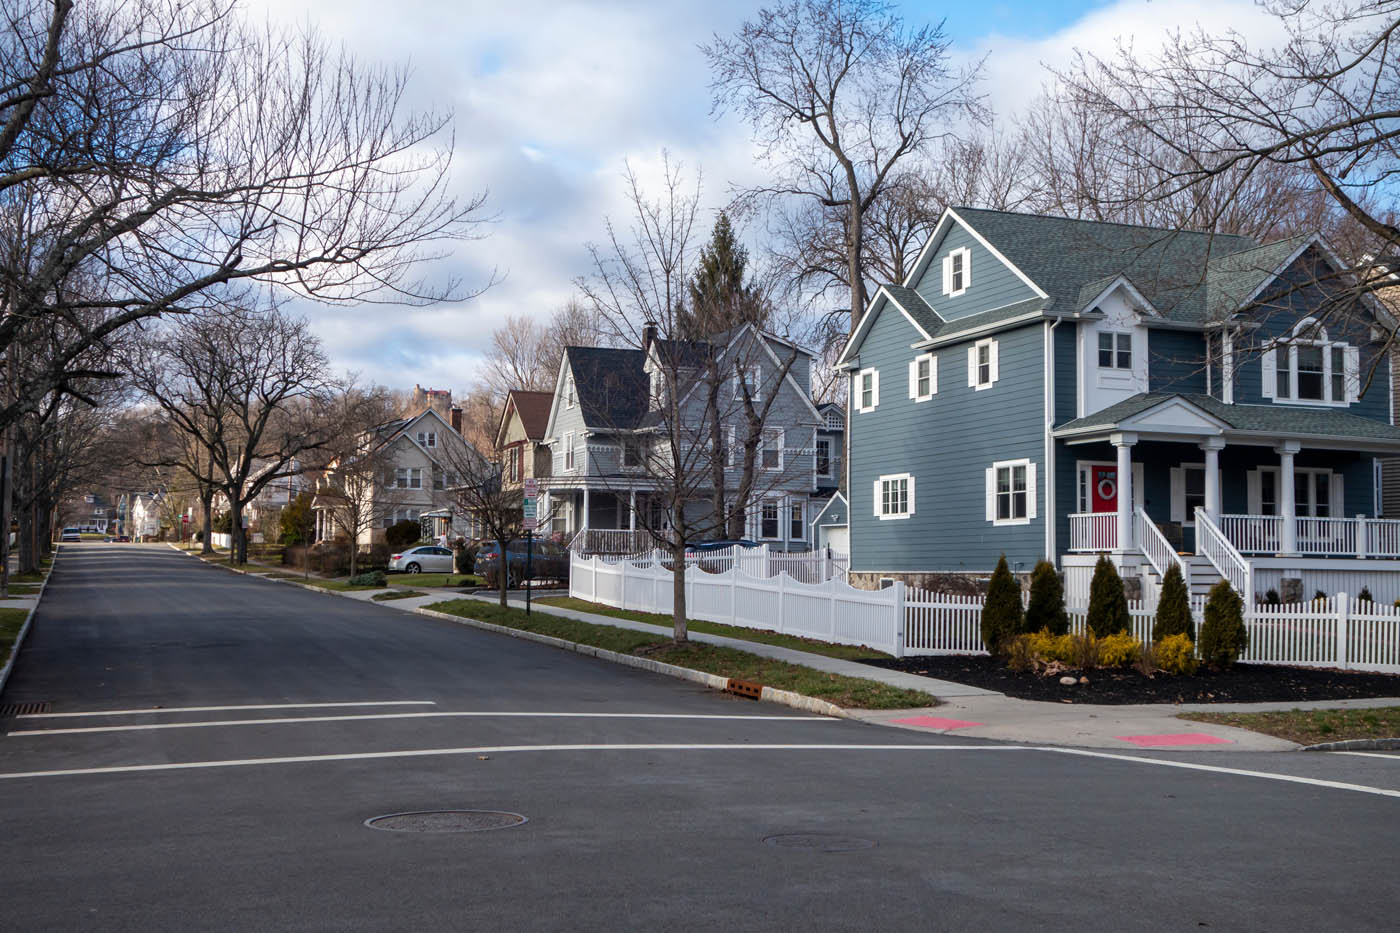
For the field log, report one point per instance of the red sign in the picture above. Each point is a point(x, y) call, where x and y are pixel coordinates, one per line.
point(1103, 489)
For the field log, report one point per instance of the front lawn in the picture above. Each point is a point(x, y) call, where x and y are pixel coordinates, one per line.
point(11, 621)
point(1313, 726)
point(851, 692)
point(22, 589)
point(763, 636)
point(435, 579)
point(27, 577)
point(340, 586)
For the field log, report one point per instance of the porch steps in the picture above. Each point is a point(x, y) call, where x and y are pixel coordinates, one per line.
point(1201, 574)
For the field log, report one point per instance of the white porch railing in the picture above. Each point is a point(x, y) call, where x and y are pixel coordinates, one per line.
point(621, 541)
point(1093, 531)
point(1155, 546)
point(1211, 542)
point(1359, 537)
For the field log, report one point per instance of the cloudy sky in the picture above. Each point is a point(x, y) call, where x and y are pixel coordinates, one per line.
point(550, 99)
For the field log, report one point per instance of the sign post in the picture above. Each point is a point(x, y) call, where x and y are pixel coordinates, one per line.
point(532, 490)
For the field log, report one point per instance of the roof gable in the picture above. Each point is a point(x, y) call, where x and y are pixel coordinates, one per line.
point(923, 319)
point(531, 408)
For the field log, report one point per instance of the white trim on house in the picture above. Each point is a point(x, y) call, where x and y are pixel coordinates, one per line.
point(949, 288)
point(932, 377)
point(921, 263)
point(881, 294)
point(974, 364)
point(879, 503)
point(1030, 491)
point(1123, 282)
point(1351, 367)
point(858, 384)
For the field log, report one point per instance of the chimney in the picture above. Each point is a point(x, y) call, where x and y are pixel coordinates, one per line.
point(648, 334)
point(457, 418)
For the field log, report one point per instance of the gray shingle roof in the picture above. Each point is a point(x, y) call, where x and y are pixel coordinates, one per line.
point(1283, 420)
point(611, 385)
point(914, 303)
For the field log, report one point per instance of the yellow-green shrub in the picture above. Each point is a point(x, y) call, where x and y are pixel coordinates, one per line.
point(1119, 650)
point(1049, 647)
point(1175, 654)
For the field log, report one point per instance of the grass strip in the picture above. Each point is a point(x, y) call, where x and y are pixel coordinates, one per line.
point(435, 579)
point(763, 636)
point(396, 594)
point(22, 589)
point(11, 621)
point(27, 577)
point(1312, 726)
point(849, 692)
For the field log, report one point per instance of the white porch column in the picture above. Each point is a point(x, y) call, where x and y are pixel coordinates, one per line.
point(1212, 447)
point(1288, 540)
point(584, 524)
point(1124, 443)
point(632, 510)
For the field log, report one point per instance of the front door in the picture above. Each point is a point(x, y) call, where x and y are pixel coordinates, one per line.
point(1103, 488)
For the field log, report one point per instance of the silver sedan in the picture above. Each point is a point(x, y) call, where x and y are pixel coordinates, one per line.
point(427, 558)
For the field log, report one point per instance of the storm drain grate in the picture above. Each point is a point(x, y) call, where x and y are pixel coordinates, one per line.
point(820, 842)
point(25, 709)
point(445, 821)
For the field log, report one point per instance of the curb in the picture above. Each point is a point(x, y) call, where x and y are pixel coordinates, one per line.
point(262, 575)
point(1355, 745)
point(713, 681)
point(28, 621)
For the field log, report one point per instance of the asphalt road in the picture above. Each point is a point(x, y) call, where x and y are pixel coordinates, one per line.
point(651, 804)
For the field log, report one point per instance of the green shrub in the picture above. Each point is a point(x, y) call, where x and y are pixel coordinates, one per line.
point(373, 578)
point(1319, 596)
point(222, 524)
point(1108, 606)
point(1223, 635)
point(1047, 606)
point(1019, 655)
point(1050, 647)
point(1119, 650)
point(1365, 595)
point(1174, 608)
point(402, 534)
point(1002, 615)
point(466, 558)
point(1271, 597)
point(1175, 654)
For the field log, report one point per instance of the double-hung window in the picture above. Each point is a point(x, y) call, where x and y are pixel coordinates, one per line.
point(515, 464)
point(415, 478)
point(427, 438)
point(982, 364)
point(1310, 368)
point(867, 388)
point(771, 451)
point(894, 496)
point(823, 456)
point(569, 451)
point(747, 380)
point(768, 520)
point(1115, 350)
point(631, 453)
point(401, 477)
point(923, 377)
point(1011, 492)
point(796, 528)
point(569, 397)
point(957, 272)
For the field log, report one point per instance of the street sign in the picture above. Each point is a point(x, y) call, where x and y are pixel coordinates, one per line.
point(532, 487)
point(530, 511)
point(530, 523)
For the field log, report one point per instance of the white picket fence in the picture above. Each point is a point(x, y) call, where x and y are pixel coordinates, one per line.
point(1340, 632)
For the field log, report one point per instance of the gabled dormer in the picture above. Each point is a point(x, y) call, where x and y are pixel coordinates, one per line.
point(960, 273)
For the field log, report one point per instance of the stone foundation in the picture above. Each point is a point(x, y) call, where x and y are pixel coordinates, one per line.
point(952, 584)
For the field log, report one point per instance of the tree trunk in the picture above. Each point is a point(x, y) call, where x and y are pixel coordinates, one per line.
point(238, 545)
point(681, 632)
point(28, 559)
point(855, 236)
point(206, 501)
point(355, 554)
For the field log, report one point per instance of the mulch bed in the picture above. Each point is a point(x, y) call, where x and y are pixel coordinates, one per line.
point(1244, 683)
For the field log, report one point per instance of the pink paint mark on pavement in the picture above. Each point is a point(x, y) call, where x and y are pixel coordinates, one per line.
point(1180, 738)
point(935, 722)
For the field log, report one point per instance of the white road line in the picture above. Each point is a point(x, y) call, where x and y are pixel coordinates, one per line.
point(1392, 755)
point(1267, 775)
point(500, 749)
point(151, 711)
point(149, 726)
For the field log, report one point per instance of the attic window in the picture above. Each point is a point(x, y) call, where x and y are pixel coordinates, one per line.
point(568, 391)
point(1115, 350)
point(957, 272)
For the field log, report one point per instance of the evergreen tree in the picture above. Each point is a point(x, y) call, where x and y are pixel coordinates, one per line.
point(1174, 608)
point(1002, 615)
point(1223, 635)
point(1047, 606)
point(1108, 605)
point(297, 521)
point(719, 298)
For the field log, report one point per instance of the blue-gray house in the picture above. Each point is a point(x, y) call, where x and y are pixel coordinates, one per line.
point(1040, 386)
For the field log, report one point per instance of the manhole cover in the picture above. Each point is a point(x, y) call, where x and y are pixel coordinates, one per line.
point(445, 821)
point(821, 842)
point(30, 708)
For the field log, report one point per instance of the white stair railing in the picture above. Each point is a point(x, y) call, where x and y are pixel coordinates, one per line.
point(1155, 546)
point(1215, 547)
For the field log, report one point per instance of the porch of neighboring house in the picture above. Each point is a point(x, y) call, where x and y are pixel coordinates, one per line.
point(620, 519)
point(1293, 515)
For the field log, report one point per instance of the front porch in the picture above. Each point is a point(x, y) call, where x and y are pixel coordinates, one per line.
point(1176, 484)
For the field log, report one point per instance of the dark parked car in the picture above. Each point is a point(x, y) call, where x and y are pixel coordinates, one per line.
point(701, 547)
point(547, 562)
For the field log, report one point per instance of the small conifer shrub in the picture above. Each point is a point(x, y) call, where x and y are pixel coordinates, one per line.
point(1108, 605)
point(1046, 609)
point(1002, 615)
point(1174, 608)
point(1223, 635)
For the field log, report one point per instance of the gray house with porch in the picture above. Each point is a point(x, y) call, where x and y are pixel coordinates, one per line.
point(1040, 386)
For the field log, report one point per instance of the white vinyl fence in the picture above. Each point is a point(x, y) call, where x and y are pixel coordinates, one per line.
point(1340, 632)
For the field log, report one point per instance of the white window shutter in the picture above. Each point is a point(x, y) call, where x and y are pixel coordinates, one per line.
point(991, 494)
point(1030, 490)
point(1268, 362)
point(876, 508)
point(1178, 483)
point(914, 378)
point(967, 269)
point(781, 440)
point(996, 372)
point(875, 388)
point(1353, 373)
point(1254, 493)
point(911, 494)
point(1338, 495)
point(947, 274)
point(933, 375)
point(972, 366)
